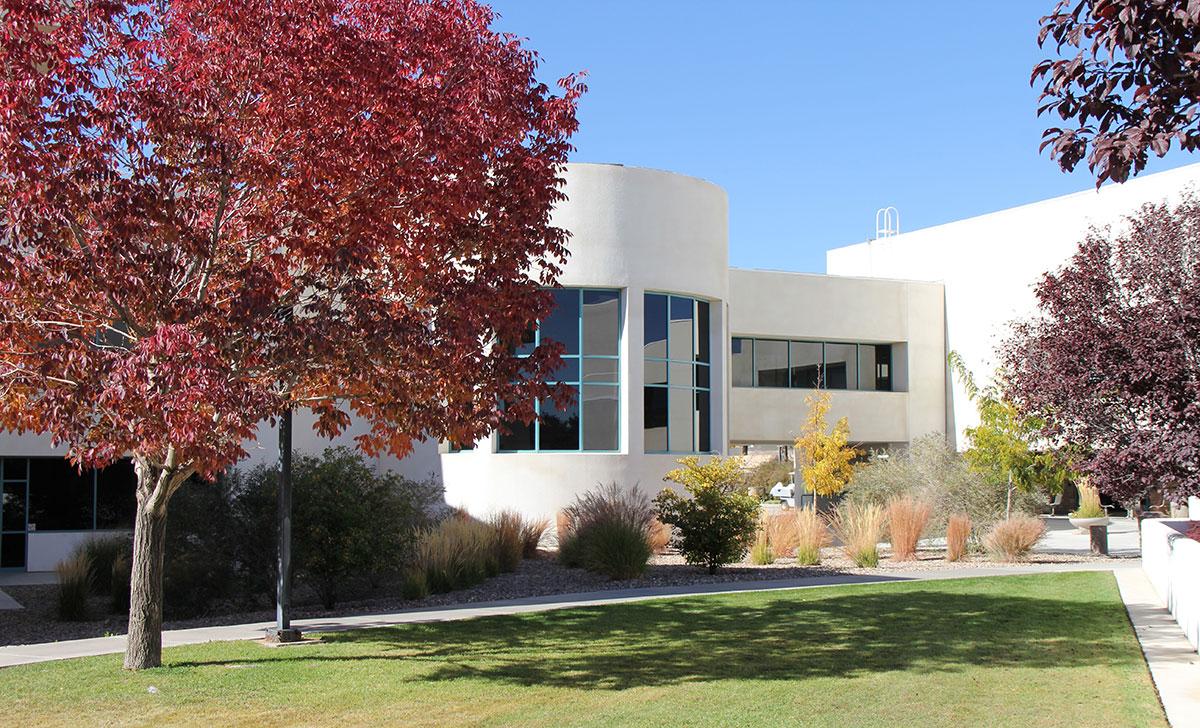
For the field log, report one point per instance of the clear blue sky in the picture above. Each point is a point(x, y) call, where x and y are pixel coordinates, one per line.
point(811, 115)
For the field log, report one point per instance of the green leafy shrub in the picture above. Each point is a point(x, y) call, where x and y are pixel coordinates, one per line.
point(74, 587)
point(717, 522)
point(608, 531)
point(199, 563)
point(349, 523)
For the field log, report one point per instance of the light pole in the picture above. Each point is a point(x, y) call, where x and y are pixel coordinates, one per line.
point(283, 630)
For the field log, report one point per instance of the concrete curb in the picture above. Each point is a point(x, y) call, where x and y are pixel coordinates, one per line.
point(1174, 665)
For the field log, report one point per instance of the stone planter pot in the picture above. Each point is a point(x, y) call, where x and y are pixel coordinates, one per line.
point(1083, 524)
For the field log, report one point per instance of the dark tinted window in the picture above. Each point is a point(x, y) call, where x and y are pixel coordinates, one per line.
point(12, 551)
point(883, 367)
point(805, 363)
point(656, 418)
point(12, 507)
point(655, 338)
point(742, 362)
point(60, 498)
point(702, 334)
point(562, 325)
point(841, 366)
point(559, 426)
point(116, 496)
point(520, 437)
point(770, 363)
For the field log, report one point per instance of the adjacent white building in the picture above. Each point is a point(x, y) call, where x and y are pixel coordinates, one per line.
point(671, 352)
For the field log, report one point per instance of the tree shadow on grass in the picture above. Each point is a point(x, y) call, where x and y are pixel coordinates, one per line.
point(781, 636)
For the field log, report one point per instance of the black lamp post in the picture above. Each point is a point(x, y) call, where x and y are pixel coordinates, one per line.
point(283, 630)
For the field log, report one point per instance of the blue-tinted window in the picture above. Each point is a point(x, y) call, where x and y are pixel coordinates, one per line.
point(587, 322)
point(676, 356)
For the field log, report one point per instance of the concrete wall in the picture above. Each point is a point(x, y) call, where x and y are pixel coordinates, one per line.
point(44, 549)
point(990, 263)
point(771, 304)
point(1172, 561)
point(637, 230)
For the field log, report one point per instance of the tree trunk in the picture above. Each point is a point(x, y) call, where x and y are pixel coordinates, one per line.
point(144, 646)
point(156, 483)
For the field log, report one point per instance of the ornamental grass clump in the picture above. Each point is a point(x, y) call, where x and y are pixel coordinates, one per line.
point(660, 536)
point(1089, 501)
point(457, 553)
point(607, 530)
point(532, 531)
point(781, 534)
point(509, 542)
point(1012, 540)
point(74, 587)
point(907, 518)
point(103, 552)
point(716, 522)
point(811, 535)
point(761, 553)
point(860, 527)
point(958, 531)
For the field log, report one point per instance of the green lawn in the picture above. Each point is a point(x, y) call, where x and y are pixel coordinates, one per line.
point(1045, 650)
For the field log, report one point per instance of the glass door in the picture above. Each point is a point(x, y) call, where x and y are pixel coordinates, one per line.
point(14, 505)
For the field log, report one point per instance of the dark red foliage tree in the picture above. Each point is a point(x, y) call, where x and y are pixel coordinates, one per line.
point(1127, 82)
point(1112, 361)
point(212, 213)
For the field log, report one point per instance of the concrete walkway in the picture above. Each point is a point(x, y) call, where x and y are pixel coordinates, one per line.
point(24, 654)
point(1174, 665)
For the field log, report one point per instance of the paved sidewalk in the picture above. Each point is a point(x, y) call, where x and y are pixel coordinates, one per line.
point(1174, 665)
point(7, 602)
point(24, 654)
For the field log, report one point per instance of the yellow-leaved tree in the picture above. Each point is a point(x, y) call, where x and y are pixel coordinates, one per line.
point(825, 457)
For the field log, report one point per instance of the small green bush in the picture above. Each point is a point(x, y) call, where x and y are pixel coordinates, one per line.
point(718, 522)
point(607, 530)
point(74, 587)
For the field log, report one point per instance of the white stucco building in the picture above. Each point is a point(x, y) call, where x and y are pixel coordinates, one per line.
point(671, 352)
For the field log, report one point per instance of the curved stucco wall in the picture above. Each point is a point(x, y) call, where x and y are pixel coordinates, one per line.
point(636, 230)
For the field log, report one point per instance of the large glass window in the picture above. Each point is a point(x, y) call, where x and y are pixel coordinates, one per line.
point(677, 397)
point(50, 494)
point(770, 363)
point(810, 364)
point(841, 366)
point(587, 322)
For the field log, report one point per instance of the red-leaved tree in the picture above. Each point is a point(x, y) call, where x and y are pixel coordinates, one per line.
point(1112, 360)
point(212, 213)
point(1127, 82)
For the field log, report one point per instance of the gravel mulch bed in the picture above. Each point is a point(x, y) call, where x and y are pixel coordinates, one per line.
point(542, 576)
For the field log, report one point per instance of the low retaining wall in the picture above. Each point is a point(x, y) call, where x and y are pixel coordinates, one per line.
point(1172, 562)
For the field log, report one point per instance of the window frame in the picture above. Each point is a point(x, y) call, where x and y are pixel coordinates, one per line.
point(694, 363)
point(579, 382)
point(751, 342)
